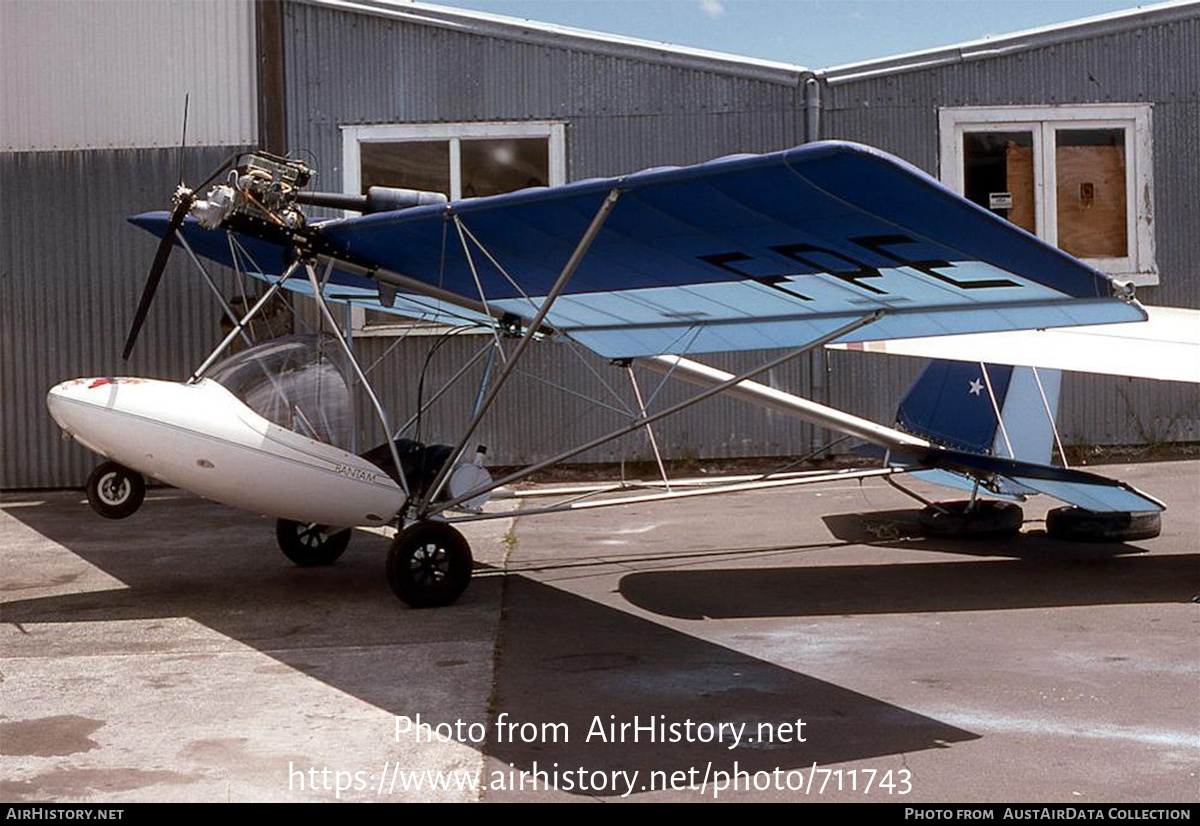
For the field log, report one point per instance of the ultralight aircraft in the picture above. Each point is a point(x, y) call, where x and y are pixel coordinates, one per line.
point(827, 244)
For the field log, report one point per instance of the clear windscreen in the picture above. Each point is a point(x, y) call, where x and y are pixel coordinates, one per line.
point(298, 382)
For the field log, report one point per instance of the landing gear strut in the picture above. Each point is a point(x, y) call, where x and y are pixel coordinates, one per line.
point(429, 564)
point(114, 491)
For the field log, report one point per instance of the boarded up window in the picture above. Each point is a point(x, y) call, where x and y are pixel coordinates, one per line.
point(1077, 176)
point(1019, 164)
point(1091, 191)
point(998, 174)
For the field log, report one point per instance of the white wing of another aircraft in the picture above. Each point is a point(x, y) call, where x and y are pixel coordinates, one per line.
point(1165, 347)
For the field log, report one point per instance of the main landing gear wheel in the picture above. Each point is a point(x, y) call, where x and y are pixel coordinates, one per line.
point(1079, 525)
point(308, 544)
point(986, 517)
point(429, 565)
point(114, 491)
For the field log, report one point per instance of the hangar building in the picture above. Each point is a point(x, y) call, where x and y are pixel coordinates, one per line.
point(1091, 129)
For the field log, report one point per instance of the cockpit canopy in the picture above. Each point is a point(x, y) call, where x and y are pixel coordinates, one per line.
point(299, 382)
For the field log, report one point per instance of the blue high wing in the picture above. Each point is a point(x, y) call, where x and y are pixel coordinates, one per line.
point(265, 261)
point(740, 253)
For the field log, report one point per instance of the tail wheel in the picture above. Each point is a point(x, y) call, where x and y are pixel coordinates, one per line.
point(1080, 525)
point(114, 491)
point(308, 544)
point(429, 565)
point(984, 517)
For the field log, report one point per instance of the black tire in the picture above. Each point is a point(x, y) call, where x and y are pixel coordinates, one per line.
point(429, 565)
point(988, 517)
point(114, 491)
point(1080, 525)
point(308, 544)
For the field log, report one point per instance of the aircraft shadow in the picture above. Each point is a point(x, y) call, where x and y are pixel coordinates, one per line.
point(568, 659)
point(912, 587)
point(562, 658)
point(901, 529)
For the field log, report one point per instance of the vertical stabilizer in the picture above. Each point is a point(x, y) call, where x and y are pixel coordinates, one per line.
point(954, 404)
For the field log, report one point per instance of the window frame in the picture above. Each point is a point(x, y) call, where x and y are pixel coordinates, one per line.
point(355, 135)
point(454, 133)
point(1044, 122)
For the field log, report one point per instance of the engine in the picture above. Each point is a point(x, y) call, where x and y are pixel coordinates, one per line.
point(261, 186)
point(268, 190)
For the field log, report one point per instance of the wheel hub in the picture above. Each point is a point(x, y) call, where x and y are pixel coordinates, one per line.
point(429, 564)
point(114, 488)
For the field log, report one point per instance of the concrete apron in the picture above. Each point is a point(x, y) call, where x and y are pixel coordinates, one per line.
point(178, 656)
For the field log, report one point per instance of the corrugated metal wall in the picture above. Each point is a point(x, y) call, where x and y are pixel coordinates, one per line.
point(1157, 64)
point(107, 82)
point(71, 273)
point(622, 114)
point(563, 397)
point(113, 74)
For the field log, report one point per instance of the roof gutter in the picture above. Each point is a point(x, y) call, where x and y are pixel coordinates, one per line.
point(1116, 23)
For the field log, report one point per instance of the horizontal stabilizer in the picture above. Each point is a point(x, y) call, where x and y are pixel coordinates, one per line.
point(1075, 487)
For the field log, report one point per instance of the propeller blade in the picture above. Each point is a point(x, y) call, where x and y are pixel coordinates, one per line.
point(183, 138)
point(156, 272)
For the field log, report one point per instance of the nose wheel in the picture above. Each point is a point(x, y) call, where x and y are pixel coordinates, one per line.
point(308, 544)
point(114, 491)
point(429, 565)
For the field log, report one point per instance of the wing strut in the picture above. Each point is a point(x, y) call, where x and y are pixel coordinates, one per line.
point(1062, 454)
point(641, 422)
point(531, 330)
point(212, 287)
point(637, 394)
point(241, 325)
point(787, 403)
point(362, 378)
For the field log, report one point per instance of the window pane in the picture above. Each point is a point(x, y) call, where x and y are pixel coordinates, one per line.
point(490, 167)
point(421, 165)
point(376, 318)
point(998, 174)
point(1091, 192)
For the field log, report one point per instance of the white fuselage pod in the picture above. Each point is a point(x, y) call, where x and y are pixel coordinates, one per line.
point(202, 438)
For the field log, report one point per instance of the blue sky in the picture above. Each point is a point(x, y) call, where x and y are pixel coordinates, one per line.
point(812, 33)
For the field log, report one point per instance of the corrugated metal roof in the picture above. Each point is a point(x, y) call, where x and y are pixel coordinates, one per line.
point(530, 31)
point(999, 45)
point(496, 25)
